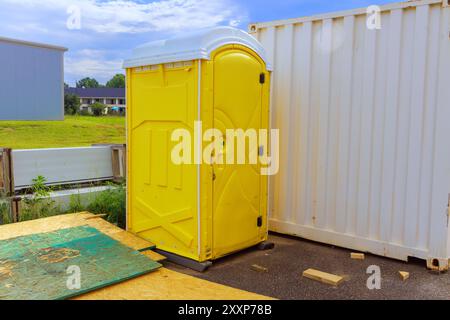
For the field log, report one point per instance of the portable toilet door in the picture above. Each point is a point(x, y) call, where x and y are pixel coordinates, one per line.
point(177, 89)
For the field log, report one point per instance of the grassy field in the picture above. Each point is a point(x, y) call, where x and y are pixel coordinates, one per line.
point(74, 131)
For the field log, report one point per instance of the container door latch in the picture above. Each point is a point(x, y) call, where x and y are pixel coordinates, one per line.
point(259, 221)
point(262, 78)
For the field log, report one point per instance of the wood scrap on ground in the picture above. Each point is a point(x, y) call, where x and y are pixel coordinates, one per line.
point(357, 256)
point(323, 277)
point(259, 268)
point(404, 275)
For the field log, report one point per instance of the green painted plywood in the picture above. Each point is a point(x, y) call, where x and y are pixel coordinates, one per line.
point(36, 266)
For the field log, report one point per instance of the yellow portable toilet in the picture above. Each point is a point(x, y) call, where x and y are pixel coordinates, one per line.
point(213, 79)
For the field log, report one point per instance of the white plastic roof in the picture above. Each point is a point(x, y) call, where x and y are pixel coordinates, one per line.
point(193, 46)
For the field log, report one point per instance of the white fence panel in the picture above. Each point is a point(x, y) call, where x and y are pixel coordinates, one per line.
point(364, 126)
point(62, 166)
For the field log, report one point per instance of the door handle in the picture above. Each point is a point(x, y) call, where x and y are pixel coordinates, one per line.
point(261, 151)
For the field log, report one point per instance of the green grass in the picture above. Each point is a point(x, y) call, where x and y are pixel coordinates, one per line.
point(74, 131)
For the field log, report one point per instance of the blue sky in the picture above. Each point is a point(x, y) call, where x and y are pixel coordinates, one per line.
point(111, 28)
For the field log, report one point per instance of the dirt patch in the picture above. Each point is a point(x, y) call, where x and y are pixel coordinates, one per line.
point(103, 126)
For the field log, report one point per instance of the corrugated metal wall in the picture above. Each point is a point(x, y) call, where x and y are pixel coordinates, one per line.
point(31, 82)
point(62, 165)
point(364, 119)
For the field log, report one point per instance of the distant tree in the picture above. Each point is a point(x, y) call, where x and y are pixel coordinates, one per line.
point(71, 103)
point(66, 85)
point(97, 109)
point(88, 83)
point(118, 81)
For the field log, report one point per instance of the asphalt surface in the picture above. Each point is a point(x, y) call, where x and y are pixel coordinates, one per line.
point(291, 256)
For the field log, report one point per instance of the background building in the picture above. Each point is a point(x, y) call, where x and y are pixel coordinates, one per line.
point(31, 81)
point(112, 98)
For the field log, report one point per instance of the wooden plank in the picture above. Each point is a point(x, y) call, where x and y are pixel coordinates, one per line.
point(73, 220)
point(43, 225)
point(6, 172)
point(121, 235)
point(133, 241)
point(118, 155)
point(35, 266)
point(404, 275)
point(115, 157)
point(103, 226)
point(155, 256)
point(323, 277)
point(259, 268)
point(357, 256)
point(97, 216)
point(165, 284)
point(118, 159)
point(15, 208)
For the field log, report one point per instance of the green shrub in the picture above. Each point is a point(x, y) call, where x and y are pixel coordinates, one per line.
point(111, 202)
point(75, 204)
point(97, 109)
point(71, 104)
point(5, 217)
point(39, 205)
point(84, 112)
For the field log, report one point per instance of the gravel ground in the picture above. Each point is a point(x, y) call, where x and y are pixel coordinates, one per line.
point(292, 256)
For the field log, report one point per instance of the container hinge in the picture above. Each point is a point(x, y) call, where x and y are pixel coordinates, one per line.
point(259, 221)
point(262, 78)
point(214, 176)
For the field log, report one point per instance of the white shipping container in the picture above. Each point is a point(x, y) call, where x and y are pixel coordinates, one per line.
point(364, 119)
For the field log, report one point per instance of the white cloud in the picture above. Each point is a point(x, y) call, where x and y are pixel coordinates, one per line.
point(234, 23)
point(30, 27)
point(92, 63)
point(101, 69)
point(125, 16)
point(109, 28)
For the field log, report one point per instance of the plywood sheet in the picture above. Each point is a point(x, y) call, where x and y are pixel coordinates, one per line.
point(73, 220)
point(162, 284)
point(154, 255)
point(36, 266)
point(133, 241)
point(165, 284)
